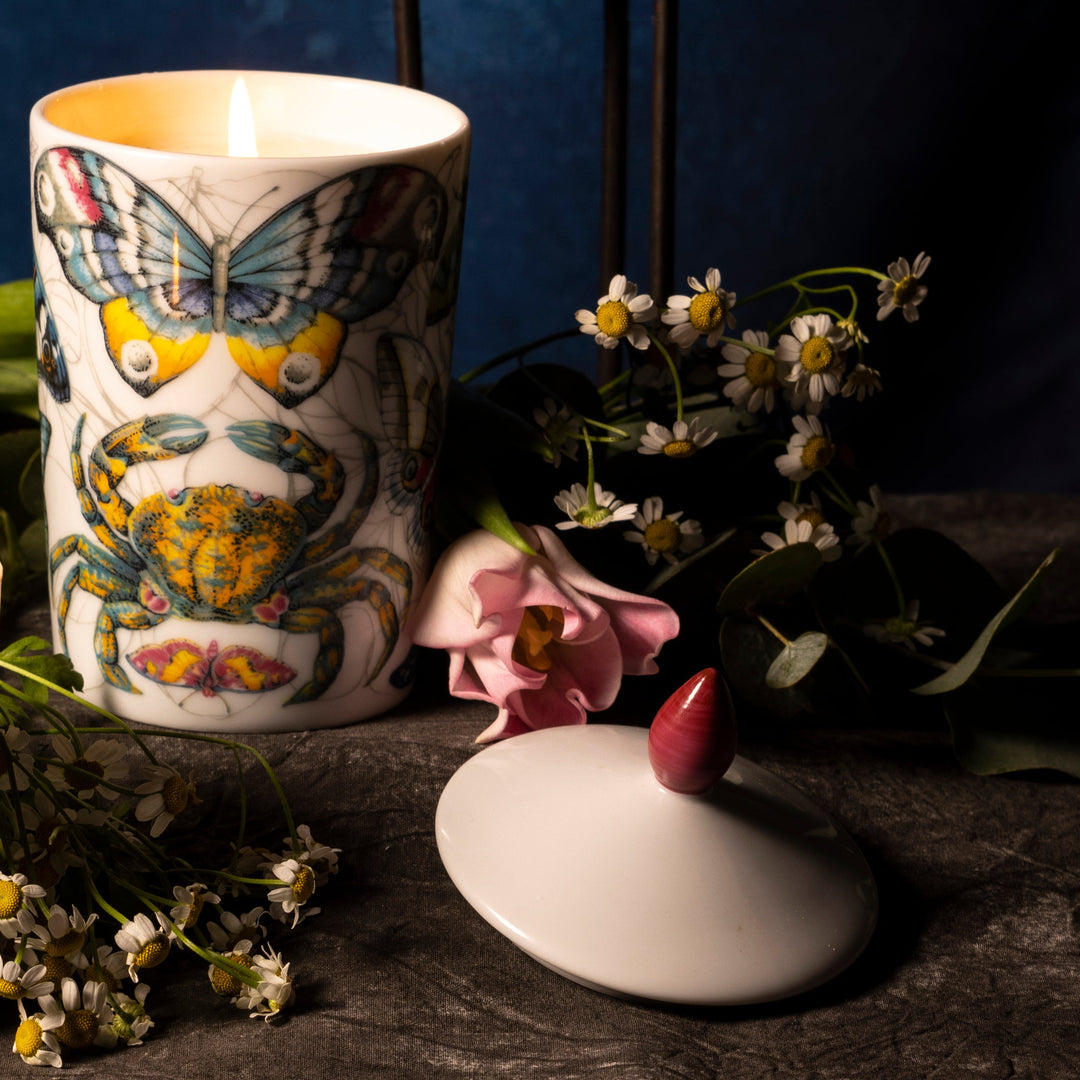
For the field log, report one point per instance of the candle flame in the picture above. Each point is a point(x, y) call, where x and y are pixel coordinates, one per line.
point(241, 123)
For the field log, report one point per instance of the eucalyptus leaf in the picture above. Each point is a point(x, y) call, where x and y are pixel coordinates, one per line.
point(747, 650)
point(968, 664)
point(778, 574)
point(796, 660)
point(17, 323)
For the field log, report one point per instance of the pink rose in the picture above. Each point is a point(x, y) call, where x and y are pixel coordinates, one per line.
point(537, 635)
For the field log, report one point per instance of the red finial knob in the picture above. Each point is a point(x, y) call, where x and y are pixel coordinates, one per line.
point(692, 738)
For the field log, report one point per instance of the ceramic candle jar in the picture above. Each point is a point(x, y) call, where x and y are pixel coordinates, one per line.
point(244, 363)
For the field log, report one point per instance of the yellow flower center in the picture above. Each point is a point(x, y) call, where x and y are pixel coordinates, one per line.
point(816, 355)
point(79, 1029)
point(707, 312)
point(225, 982)
point(590, 519)
point(614, 318)
point(813, 515)
point(29, 1038)
point(679, 448)
point(899, 626)
point(152, 953)
point(57, 967)
point(175, 795)
point(817, 453)
point(904, 290)
point(761, 371)
point(304, 885)
point(663, 535)
point(539, 627)
point(11, 991)
point(77, 780)
point(11, 899)
point(66, 943)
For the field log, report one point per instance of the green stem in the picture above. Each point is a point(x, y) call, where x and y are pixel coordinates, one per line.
point(772, 629)
point(793, 281)
point(516, 354)
point(655, 339)
point(102, 902)
point(892, 575)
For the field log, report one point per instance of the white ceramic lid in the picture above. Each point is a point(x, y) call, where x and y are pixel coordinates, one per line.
point(565, 842)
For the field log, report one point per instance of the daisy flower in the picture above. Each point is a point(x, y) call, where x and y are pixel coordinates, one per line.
point(88, 1017)
point(17, 983)
point(190, 903)
point(903, 629)
point(130, 1018)
point(22, 922)
point(275, 989)
point(708, 313)
point(575, 505)
point(103, 758)
point(815, 352)
point(621, 314)
point(862, 381)
point(321, 858)
point(146, 945)
point(854, 332)
point(15, 890)
point(754, 377)
point(682, 440)
point(224, 982)
point(904, 291)
point(663, 534)
point(289, 898)
point(14, 750)
point(35, 1042)
point(165, 795)
point(47, 825)
point(62, 934)
point(808, 513)
point(108, 967)
point(233, 931)
point(822, 536)
point(559, 427)
point(809, 450)
point(871, 521)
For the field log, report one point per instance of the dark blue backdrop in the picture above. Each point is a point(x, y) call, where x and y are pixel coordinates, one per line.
point(809, 134)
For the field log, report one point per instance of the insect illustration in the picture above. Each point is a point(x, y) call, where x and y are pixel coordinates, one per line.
point(179, 662)
point(52, 370)
point(283, 297)
point(218, 552)
point(413, 415)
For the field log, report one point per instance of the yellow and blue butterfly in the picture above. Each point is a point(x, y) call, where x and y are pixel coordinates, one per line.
point(284, 297)
point(51, 366)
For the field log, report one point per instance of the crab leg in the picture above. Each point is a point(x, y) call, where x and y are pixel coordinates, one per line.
point(124, 613)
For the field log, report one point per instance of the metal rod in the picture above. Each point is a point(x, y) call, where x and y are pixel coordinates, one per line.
point(410, 71)
point(613, 171)
point(662, 186)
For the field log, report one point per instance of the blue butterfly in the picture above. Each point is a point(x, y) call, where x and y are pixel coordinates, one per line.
point(284, 297)
point(52, 369)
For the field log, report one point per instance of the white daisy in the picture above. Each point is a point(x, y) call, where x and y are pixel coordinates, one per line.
point(903, 629)
point(622, 313)
point(708, 313)
point(809, 450)
point(905, 291)
point(88, 1017)
point(62, 934)
point(663, 534)
point(559, 426)
point(166, 794)
point(146, 945)
point(815, 352)
point(234, 930)
point(35, 1042)
point(682, 440)
point(575, 505)
point(854, 331)
point(871, 522)
point(103, 758)
point(226, 983)
point(812, 513)
point(190, 903)
point(275, 989)
point(51, 829)
point(754, 377)
point(107, 966)
point(289, 898)
point(862, 381)
point(17, 983)
point(22, 922)
point(14, 751)
point(321, 858)
point(822, 536)
point(130, 1019)
point(15, 890)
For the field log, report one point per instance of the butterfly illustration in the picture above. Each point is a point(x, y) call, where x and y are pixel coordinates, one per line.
point(413, 415)
point(179, 662)
point(52, 370)
point(283, 297)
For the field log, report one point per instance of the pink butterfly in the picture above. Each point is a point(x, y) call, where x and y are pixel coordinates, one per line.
point(179, 662)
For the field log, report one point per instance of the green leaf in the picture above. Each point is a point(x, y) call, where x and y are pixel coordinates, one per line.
point(968, 664)
point(747, 651)
point(17, 323)
point(778, 574)
point(796, 660)
point(34, 657)
point(1005, 728)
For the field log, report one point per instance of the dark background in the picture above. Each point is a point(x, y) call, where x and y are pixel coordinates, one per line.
point(809, 135)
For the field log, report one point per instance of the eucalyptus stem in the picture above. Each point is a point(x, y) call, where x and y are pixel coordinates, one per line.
point(772, 629)
point(516, 354)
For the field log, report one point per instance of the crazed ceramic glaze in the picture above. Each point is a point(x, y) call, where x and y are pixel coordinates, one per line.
point(243, 373)
point(565, 841)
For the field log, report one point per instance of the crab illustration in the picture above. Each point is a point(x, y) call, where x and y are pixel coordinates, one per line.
point(218, 552)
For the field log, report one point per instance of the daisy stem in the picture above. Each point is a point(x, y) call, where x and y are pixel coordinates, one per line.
point(750, 348)
point(618, 432)
point(892, 574)
point(516, 354)
point(838, 494)
point(614, 384)
point(16, 803)
point(794, 281)
point(772, 629)
point(243, 805)
point(654, 338)
point(100, 900)
point(590, 475)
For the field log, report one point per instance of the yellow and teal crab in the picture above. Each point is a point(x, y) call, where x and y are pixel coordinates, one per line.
point(222, 553)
